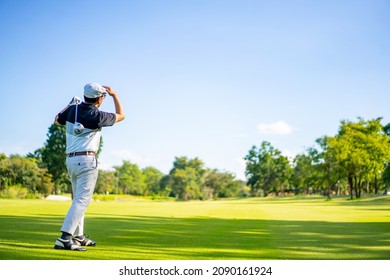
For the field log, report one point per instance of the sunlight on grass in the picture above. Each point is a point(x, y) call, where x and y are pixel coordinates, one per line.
point(254, 228)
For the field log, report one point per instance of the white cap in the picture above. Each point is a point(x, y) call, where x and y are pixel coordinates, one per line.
point(93, 90)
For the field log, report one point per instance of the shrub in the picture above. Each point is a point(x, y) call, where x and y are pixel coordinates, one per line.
point(15, 191)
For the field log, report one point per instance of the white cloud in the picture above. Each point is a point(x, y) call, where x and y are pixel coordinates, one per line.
point(279, 127)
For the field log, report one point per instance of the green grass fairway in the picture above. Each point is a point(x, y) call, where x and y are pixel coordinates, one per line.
point(256, 228)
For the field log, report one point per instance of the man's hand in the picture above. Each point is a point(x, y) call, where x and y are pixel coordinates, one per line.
point(110, 91)
point(120, 114)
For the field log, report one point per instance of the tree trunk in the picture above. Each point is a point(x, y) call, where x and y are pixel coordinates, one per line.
point(350, 184)
point(328, 191)
point(358, 187)
point(265, 191)
point(253, 191)
point(376, 185)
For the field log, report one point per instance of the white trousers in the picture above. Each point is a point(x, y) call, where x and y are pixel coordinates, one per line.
point(83, 174)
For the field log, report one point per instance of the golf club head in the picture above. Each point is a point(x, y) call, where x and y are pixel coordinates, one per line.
point(78, 128)
point(75, 100)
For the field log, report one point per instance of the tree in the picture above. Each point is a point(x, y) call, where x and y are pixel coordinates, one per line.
point(3, 177)
point(386, 173)
point(184, 184)
point(106, 182)
point(362, 150)
point(166, 186)
point(221, 184)
point(195, 163)
point(267, 170)
point(327, 168)
point(186, 178)
point(130, 179)
point(304, 174)
point(17, 170)
point(54, 157)
point(152, 180)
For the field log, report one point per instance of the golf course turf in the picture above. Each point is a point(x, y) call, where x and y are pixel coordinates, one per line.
point(303, 228)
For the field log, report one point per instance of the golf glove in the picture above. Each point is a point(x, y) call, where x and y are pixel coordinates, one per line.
point(75, 100)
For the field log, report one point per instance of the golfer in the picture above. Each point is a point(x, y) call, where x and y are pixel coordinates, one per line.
point(84, 122)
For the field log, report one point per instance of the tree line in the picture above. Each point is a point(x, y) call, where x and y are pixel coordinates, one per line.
point(44, 172)
point(188, 179)
point(353, 162)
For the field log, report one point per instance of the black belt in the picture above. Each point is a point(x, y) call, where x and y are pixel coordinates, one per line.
point(89, 153)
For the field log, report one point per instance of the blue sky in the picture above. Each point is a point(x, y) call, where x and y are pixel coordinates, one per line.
point(205, 79)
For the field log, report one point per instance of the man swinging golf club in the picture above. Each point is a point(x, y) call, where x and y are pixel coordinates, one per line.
point(84, 122)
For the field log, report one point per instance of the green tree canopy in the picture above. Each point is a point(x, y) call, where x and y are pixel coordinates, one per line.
point(222, 184)
point(106, 182)
point(17, 170)
point(267, 169)
point(361, 149)
point(54, 157)
point(186, 178)
point(130, 179)
point(152, 178)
